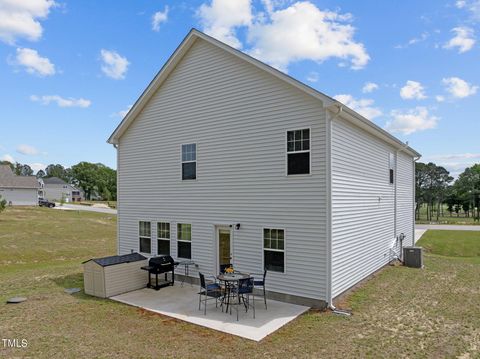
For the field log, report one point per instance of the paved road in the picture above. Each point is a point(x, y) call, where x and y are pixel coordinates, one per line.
point(74, 207)
point(448, 227)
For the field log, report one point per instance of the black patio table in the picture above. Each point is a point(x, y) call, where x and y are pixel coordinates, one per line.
point(230, 280)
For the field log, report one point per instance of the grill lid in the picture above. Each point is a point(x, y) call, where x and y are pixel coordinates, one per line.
point(161, 261)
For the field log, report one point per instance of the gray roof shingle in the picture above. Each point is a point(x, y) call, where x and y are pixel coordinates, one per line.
point(53, 180)
point(9, 180)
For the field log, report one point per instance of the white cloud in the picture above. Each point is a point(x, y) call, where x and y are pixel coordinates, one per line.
point(222, 17)
point(159, 18)
point(424, 36)
point(114, 65)
point(440, 98)
point(280, 37)
point(454, 163)
point(473, 6)
point(459, 88)
point(60, 101)
point(123, 113)
point(363, 106)
point(304, 32)
point(412, 90)
point(410, 121)
point(312, 76)
point(464, 39)
point(369, 87)
point(19, 19)
point(8, 158)
point(37, 166)
point(34, 63)
point(27, 150)
point(456, 156)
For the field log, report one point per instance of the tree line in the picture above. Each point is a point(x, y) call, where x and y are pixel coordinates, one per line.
point(95, 179)
point(436, 189)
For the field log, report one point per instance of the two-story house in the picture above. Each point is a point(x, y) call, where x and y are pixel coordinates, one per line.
point(224, 159)
point(56, 189)
point(18, 190)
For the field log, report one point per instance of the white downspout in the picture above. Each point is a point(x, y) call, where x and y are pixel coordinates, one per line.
point(115, 145)
point(329, 206)
point(415, 159)
point(396, 192)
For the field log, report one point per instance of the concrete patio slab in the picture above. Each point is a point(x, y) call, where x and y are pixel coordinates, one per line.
point(182, 303)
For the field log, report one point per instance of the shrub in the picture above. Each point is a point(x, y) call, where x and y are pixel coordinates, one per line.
point(3, 204)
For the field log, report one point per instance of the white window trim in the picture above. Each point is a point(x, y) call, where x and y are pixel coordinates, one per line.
point(165, 239)
point(182, 161)
point(144, 237)
point(303, 151)
point(183, 240)
point(275, 250)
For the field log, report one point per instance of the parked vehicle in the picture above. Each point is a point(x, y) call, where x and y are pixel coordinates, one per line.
point(42, 202)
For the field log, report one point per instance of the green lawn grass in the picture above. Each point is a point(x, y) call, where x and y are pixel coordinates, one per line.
point(452, 243)
point(400, 312)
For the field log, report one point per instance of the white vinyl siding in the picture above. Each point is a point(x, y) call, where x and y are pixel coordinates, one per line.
point(20, 196)
point(55, 192)
point(405, 198)
point(362, 205)
point(238, 115)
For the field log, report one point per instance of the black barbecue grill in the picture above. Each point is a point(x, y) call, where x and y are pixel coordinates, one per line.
point(159, 265)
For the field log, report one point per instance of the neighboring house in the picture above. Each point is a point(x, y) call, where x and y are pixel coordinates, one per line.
point(224, 159)
point(18, 190)
point(56, 189)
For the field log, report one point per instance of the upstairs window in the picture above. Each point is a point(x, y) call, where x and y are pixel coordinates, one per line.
point(184, 240)
point(274, 249)
point(189, 161)
point(391, 164)
point(163, 238)
point(144, 229)
point(298, 152)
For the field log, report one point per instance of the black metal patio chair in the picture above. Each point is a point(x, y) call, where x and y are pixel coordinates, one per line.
point(242, 294)
point(260, 284)
point(208, 291)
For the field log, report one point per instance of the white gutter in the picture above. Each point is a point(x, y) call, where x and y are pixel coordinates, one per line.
point(415, 159)
point(329, 205)
point(395, 192)
point(115, 145)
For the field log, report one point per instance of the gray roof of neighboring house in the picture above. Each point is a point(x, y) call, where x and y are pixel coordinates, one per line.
point(53, 180)
point(10, 180)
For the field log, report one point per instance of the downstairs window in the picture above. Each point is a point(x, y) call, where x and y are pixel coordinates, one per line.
point(274, 249)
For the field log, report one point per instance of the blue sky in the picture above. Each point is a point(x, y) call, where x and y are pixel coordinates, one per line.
point(69, 69)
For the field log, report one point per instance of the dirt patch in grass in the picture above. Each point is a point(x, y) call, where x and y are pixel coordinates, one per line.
point(399, 313)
